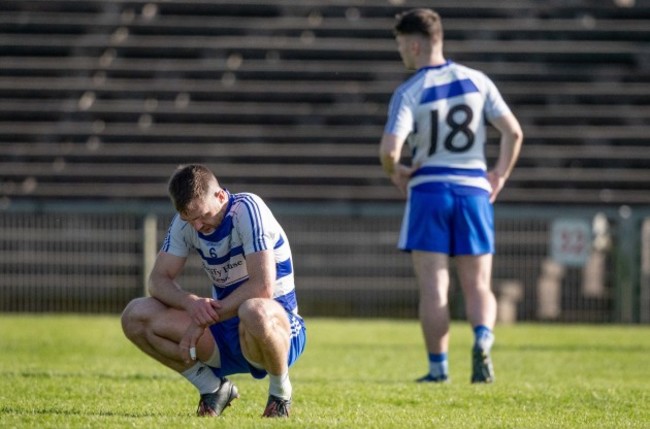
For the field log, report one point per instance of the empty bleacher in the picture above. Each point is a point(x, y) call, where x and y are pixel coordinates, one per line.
point(102, 99)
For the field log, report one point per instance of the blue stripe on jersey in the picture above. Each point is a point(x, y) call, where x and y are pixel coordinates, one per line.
point(220, 260)
point(283, 268)
point(446, 186)
point(448, 90)
point(288, 301)
point(222, 231)
point(279, 243)
point(450, 171)
point(256, 221)
point(221, 293)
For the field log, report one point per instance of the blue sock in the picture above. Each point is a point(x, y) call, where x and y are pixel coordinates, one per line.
point(438, 365)
point(483, 337)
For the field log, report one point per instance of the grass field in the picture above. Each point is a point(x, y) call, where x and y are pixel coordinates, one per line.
point(79, 372)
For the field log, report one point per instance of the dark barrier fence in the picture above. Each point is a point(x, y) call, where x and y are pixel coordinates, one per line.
point(552, 263)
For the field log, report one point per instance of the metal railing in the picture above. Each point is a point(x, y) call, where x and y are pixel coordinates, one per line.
point(572, 264)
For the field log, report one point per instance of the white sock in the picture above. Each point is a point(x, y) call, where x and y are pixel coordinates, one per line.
point(483, 337)
point(486, 341)
point(439, 369)
point(202, 377)
point(280, 385)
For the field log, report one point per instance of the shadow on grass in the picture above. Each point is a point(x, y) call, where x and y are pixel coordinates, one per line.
point(52, 375)
point(70, 412)
point(535, 348)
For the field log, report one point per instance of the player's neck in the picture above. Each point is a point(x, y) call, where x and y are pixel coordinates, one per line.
point(430, 57)
point(432, 61)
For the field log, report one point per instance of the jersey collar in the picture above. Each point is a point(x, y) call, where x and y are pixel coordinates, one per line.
point(438, 67)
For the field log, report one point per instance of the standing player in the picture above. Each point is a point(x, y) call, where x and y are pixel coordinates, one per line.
point(251, 323)
point(441, 113)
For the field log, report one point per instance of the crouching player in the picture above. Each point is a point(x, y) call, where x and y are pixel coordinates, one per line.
point(251, 323)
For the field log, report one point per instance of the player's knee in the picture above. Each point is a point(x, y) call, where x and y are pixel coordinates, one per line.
point(253, 311)
point(260, 317)
point(134, 317)
point(478, 293)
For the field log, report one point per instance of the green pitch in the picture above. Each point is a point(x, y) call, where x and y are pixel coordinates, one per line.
point(79, 372)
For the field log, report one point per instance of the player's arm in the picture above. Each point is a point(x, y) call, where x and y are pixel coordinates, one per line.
point(201, 311)
point(164, 287)
point(260, 283)
point(510, 145)
point(390, 153)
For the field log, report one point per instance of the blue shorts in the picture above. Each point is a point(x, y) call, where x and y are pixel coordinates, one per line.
point(226, 335)
point(448, 218)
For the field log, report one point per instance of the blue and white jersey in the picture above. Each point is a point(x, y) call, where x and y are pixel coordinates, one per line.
point(247, 227)
point(441, 111)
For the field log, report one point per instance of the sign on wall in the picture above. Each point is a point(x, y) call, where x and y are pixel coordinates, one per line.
point(571, 241)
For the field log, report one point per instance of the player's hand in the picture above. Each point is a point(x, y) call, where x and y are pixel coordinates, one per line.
point(203, 311)
point(187, 346)
point(497, 182)
point(401, 177)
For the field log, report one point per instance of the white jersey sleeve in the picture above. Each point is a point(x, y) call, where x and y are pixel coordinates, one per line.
point(401, 110)
point(176, 242)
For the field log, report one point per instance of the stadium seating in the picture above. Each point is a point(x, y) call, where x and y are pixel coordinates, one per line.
point(101, 99)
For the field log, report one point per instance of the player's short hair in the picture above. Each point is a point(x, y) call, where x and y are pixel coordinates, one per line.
point(188, 183)
point(422, 21)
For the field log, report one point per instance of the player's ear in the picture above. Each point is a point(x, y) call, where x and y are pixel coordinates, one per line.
point(419, 45)
point(415, 46)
